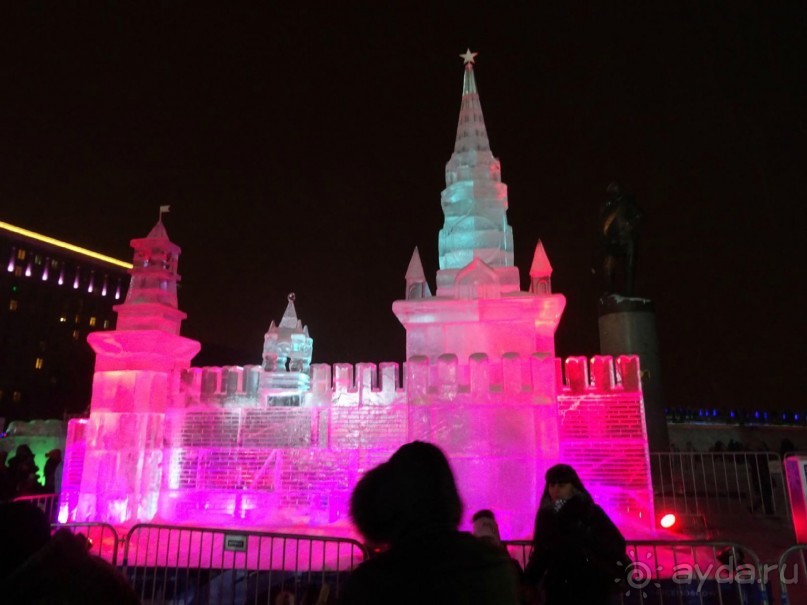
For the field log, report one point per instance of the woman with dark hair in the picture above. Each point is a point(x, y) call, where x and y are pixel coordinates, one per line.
point(578, 552)
point(409, 508)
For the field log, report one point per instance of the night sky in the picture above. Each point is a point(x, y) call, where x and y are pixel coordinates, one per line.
point(303, 149)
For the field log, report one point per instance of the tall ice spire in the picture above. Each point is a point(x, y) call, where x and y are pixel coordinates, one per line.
point(475, 200)
point(471, 133)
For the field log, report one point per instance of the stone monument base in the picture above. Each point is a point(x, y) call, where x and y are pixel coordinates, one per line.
point(627, 326)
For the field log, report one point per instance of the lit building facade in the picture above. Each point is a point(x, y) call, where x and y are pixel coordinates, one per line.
point(53, 294)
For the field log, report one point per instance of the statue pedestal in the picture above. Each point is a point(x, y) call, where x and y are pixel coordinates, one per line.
point(627, 326)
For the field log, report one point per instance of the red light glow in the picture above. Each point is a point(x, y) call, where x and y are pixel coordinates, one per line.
point(668, 520)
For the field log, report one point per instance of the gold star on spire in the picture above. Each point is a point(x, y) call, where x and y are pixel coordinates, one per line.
point(468, 56)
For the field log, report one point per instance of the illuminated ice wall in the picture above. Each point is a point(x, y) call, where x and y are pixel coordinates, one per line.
point(282, 443)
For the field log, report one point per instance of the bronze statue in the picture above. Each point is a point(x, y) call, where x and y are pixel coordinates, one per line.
point(620, 218)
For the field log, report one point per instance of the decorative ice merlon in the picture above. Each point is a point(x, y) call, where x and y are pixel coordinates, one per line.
point(416, 284)
point(540, 272)
point(287, 343)
point(474, 200)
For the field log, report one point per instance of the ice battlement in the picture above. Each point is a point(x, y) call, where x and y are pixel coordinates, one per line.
point(224, 382)
point(578, 375)
point(422, 380)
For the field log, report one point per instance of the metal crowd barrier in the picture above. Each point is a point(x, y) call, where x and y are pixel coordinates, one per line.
point(47, 503)
point(793, 578)
point(683, 573)
point(720, 483)
point(204, 566)
point(102, 539)
point(174, 565)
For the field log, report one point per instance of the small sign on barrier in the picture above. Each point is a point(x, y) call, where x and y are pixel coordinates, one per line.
point(235, 543)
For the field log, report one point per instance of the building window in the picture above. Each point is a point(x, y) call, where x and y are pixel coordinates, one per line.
point(77, 318)
point(39, 363)
point(16, 397)
point(12, 305)
point(37, 260)
point(18, 271)
point(75, 334)
point(92, 321)
point(20, 256)
point(106, 324)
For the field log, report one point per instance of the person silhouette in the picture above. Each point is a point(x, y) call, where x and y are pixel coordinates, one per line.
point(578, 553)
point(410, 509)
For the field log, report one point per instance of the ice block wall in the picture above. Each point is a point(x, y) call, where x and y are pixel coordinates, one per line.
point(603, 435)
point(220, 455)
point(232, 459)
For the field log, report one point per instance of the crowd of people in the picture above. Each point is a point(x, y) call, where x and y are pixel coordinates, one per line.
point(408, 509)
point(19, 475)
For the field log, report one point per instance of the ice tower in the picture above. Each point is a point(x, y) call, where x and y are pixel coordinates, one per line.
point(474, 200)
point(481, 329)
point(137, 372)
point(479, 307)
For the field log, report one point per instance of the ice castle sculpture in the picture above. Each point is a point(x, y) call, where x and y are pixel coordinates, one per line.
point(281, 444)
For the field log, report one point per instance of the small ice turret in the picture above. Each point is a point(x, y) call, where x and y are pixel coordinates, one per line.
point(287, 347)
point(151, 302)
point(540, 272)
point(416, 284)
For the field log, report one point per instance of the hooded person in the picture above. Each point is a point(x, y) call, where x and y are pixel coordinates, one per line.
point(578, 553)
point(409, 509)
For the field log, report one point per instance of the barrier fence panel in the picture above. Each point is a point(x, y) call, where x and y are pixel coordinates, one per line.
point(520, 550)
point(47, 503)
point(792, 575)
point(682, 573)
point(724, 483)
point(201, 566)
point(102, 539)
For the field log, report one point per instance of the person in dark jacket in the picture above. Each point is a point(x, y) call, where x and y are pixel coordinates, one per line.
point(410, 509)
point(578, 553)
